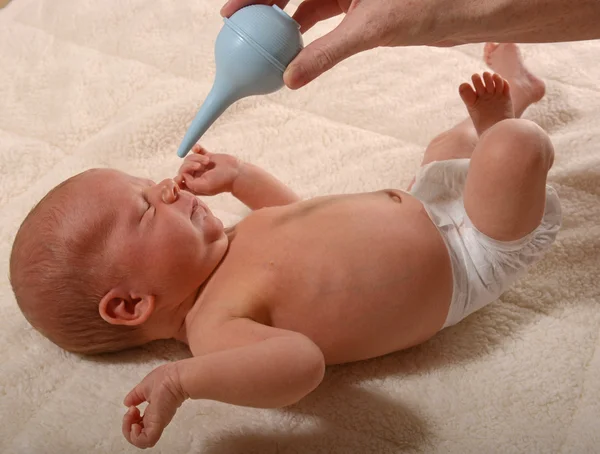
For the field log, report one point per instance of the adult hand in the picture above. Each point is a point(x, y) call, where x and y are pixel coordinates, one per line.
point(367, 24)
point(372, 23)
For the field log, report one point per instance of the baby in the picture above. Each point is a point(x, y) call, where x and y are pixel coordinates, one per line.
point(107, 261)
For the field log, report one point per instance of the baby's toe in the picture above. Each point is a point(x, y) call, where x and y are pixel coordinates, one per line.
point(498, 84)
point(478, 84)
point(467, 94)
point(488, 50)
point(489, 82)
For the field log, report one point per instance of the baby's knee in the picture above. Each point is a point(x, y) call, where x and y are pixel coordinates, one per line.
point(519, 141)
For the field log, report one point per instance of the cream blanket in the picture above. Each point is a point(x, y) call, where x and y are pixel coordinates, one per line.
point(115, 83)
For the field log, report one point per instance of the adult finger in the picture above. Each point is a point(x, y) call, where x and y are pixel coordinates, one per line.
point(312, 11)
point(233, 5)
point(347, 39)
point(281, 3)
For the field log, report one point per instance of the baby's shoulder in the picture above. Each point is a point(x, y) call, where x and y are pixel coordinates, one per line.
point(229, 294)
point(214, 311)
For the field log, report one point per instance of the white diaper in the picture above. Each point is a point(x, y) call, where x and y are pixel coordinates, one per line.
point(482, 268)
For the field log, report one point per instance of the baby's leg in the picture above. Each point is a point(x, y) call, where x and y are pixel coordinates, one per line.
point(525, 89)
point(505, 191)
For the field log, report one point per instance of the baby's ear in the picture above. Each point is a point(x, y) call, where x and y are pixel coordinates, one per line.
point(122, 308)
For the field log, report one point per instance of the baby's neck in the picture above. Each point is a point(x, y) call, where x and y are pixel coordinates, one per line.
point(191, 301)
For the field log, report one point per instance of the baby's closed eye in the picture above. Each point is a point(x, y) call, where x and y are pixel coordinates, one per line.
point(148, 208)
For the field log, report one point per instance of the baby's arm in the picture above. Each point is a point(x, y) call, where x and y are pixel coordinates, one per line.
point(275, 370)
point(260, 366)
point(205, 173)
point(256, 188)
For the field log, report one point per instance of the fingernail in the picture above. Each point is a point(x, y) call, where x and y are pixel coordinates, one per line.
point(294, 77)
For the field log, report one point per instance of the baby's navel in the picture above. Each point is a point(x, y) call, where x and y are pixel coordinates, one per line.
point(394, 195)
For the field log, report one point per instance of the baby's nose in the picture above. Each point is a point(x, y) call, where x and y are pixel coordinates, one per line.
point(170, 191)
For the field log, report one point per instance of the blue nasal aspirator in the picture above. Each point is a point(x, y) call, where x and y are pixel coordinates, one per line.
point(252, 51)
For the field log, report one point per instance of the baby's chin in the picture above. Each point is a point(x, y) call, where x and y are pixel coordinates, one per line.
point(213, 229)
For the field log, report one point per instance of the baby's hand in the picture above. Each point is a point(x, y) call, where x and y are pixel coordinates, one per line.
point(161, 389)
point(204, 173)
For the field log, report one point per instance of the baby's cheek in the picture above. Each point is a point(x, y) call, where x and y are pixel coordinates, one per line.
point(185, 254)
point(176, 254)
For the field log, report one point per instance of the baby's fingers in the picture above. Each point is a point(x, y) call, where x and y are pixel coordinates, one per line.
point(197, 185)
point(179, 181)
point(131, 423)
point(136, 431)
point(135, 397)
point(201, 158)
point(199, 150)
point(147, 432)
point(142, 437)
point(191, 167)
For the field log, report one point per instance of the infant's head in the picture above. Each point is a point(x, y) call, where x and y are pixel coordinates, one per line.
point(107, 261)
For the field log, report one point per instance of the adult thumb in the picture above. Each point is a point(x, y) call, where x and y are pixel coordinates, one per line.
point(323, 54)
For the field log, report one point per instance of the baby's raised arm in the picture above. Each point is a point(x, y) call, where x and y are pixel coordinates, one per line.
point(257, 188)
point(260, 366)
point(206, 173)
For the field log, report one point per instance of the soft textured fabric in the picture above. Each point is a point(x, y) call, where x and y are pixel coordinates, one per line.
point(116, 82)
point(482, 268)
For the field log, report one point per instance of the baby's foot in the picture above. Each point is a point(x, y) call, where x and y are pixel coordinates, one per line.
point(488, 100)
point(506, 60)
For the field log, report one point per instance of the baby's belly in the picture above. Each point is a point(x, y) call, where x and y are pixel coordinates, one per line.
point(361, 275)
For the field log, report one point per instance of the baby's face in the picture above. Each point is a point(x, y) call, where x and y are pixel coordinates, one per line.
point(165, 240)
